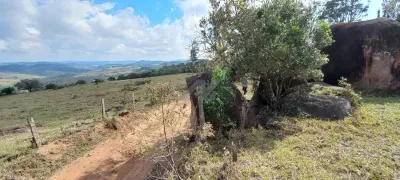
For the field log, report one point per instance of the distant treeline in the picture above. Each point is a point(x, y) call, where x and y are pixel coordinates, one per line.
point(166, 70)
point(34, 84)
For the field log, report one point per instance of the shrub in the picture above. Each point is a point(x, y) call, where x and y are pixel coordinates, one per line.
point(121, 77)
point(221, 99)
point(51, 86)
point(349, 94)
point(161, 93)
point(97, 81)
point(113, 124)
point(111, 79)
point(8, 91)
point(80, 82)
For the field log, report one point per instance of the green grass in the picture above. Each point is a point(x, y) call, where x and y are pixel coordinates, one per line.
point(366, 147)
point(55, 108)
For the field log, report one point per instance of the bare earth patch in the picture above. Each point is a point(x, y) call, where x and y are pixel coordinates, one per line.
point(113, 159)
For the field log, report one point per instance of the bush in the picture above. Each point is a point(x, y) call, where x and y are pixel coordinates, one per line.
point(221, 99)
point(51, 86)
point(8, 91)
point(80, 82)
point(161, 93)
point(97, 81)
point(111, 79)
point(121, 77)
point(349, 94)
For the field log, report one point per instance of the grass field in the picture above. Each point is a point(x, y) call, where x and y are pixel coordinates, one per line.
point(53, 109)
point(366, 147)
point(9, 79)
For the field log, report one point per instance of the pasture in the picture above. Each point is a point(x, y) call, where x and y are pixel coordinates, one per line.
point(55, 109)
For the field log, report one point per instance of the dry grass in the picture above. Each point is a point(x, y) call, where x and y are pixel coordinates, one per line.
point(9, 79)
point(57, 109)
point(367, 148)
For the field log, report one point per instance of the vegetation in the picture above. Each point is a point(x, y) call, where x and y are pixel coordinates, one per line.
point(161, 94)
point(63, 107)
point(221, 99)
point(165, 70)
point(7, 91)
point(29, 84)
point(52, 86)
point(79, 82)
point(111, 78)
point(97, 81)
point(277, 43)
point(307, 148)
point(391, 9)
point(335, 11)
point(194, 51)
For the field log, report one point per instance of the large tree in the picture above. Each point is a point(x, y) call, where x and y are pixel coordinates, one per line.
point(391, 9)
point(29, 84)
point(277, 42)
point(335, 11)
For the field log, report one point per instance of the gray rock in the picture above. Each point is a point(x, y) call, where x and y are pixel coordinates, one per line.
point(325, 107)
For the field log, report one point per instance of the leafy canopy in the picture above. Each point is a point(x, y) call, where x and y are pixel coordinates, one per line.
point(279, 39)
point(7, 91)
point(335, 11)
point(29, 84)
point(391, 9)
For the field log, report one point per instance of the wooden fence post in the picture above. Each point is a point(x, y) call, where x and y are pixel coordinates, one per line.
point(201, 111)
point(35, 133)
point(103, 109)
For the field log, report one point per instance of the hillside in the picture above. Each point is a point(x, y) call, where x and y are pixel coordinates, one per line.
point(9, 79)
point(55, 109)
point(41, 68)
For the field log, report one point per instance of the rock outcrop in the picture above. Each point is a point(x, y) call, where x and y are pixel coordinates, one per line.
point(366, 53)
point(317, 100)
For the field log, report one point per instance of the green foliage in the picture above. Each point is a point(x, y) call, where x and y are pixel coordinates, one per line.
point(335, 11)
point(52, 86)
point(97, 81)
point(349, 94)
point(279, 40)
point(29, 84)
point(222, 98)
point(165, 70)
point(307, 148)
point(7, 91)
point(80, 82)
point(111, 79)
point(194, 51)
point(391, 9)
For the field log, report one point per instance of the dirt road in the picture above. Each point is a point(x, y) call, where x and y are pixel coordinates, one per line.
point(112, 159)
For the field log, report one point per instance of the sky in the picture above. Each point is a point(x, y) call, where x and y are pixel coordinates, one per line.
point(102, 30)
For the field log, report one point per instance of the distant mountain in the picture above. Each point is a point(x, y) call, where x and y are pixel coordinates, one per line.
point(41, 68)
point(54, 69)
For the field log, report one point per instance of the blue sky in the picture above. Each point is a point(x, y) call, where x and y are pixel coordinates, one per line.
point(374, 6)
point(73, 30)
point(156, 10)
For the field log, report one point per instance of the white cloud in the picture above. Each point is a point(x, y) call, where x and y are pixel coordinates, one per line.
point(32, 31)
point(3, 45)
point(81, 30)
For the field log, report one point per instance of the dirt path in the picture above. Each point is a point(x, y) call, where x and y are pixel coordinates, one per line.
point(111, 159)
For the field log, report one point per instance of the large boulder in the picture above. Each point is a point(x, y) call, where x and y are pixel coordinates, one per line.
point(317, 100)
point(366, 53)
